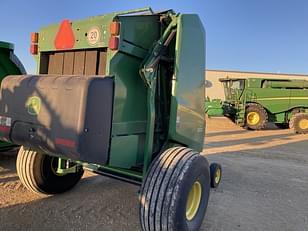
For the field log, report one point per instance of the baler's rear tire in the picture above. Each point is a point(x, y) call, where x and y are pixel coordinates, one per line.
point(175, 192)
point(299, 123)
point(256, 117)
point(37, 172)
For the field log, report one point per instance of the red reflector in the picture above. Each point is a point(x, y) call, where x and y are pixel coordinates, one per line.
point(5, 129)
point(66, 142)
point(114, 28)
point(65, 38)
point(34, 49)
point(113, 43)
point(34, 37)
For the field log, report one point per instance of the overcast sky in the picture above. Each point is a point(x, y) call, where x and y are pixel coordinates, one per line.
point(247, 35)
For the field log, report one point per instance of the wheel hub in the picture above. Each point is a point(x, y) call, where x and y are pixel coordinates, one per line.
point(54, 166)
point(217, 176)
point(193, 201)
point(303, 124)
point(253, 118)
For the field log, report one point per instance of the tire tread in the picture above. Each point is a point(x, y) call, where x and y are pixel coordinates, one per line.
point(29, 165)
point(257, 108)
point(157, 190)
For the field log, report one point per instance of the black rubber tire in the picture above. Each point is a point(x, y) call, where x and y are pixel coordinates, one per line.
point(252, 107)
point(166, 187)
point(282, 125)
point(215, 180)
point(35, 172)
point(295, 123)
point(291, 122)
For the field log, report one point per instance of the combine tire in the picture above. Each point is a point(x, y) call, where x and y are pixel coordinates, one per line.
point(256, 117)
point(37, 172)
point(299, 123)
point(175, 192)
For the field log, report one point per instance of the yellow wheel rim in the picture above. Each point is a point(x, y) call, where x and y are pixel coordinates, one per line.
point(303, 124)
point(217, 176)
point(253, 118)
point(193, 201)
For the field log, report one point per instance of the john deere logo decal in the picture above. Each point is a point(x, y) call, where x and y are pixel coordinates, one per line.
point(33, 105)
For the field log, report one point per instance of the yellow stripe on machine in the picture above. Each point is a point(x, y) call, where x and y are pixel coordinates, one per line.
point(283, 98)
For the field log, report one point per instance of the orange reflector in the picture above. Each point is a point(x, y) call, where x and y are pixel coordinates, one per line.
point(34, 37)
point(114, 28)
point(113, 43)
point(34, 49)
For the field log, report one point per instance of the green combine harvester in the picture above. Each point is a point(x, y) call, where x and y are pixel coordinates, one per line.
point(121, 95)
point(253, 102)
point(9, 65)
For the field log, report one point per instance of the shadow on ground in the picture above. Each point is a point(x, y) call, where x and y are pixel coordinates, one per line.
point(252, 141)
point(260, 189)
point(96, 203)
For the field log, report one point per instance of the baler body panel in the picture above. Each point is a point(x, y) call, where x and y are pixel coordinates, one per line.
point(130, 98)
point(187, 123)
point(58, 114)
point(90, 33)
point(136, 36)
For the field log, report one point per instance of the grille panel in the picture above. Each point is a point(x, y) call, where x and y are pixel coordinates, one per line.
point(84, 62)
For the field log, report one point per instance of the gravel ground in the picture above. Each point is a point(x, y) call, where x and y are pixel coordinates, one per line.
point(264, 187)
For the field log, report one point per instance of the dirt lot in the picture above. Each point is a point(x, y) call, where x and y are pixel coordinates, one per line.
point(264, 187)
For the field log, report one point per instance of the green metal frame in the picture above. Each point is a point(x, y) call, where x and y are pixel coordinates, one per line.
point(148, 73)
point(64, 168)
point(134, 126)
